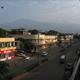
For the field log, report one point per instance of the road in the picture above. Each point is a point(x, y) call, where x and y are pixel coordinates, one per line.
point(47, 70)
point(53, 70)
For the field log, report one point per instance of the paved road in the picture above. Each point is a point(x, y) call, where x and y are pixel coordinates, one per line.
point(46, 71)
point(53, 70)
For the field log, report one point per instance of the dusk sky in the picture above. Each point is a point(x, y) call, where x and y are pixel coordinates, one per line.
point(60, 11)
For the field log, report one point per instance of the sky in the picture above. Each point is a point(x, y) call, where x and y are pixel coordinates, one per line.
point(53, 11)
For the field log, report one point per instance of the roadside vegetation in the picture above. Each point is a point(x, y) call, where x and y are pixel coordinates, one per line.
point(4, 71)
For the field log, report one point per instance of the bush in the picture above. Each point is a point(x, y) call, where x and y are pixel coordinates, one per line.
point(9, 77)
point(4, 70)
point(19, 71)
point(29, 68)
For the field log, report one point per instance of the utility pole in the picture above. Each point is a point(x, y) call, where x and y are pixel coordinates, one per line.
point(38, 50)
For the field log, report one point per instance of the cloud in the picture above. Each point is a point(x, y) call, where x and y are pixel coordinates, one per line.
point(46, 10)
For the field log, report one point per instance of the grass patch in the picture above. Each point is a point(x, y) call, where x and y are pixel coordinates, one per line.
point(19, 71)
point(29, 68)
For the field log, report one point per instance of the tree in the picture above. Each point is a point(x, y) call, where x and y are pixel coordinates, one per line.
point(28, 45)
point(76, 36)
point(3, 32)
point(4, 70)
point(34, 31)
point(52, 32)
point(25, 44)
point(17, 31)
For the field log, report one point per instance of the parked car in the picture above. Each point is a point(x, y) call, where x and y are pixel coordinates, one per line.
point(62, 58)
point(24, 56)
point(20, 51)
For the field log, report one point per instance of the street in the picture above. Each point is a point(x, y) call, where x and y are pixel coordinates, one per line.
point(53, 70)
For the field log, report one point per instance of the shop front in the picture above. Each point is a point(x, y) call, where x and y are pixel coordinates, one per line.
point(7, 54)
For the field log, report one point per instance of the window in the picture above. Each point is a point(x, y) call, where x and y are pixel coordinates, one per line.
point(16, 43)
point(10, 44)
point(0, 45)
point(7, 44)
point(13, 44)
point(3, 45)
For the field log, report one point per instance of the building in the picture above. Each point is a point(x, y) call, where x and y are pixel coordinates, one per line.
point(65, 37)
point(69, 37)
point(40, 41)
point(7, 48)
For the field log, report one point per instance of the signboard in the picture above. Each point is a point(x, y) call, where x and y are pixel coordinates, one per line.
point(7, 51)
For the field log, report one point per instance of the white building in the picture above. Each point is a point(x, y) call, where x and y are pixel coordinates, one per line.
point(39, 40)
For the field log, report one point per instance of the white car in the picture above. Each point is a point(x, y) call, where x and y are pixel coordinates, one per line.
point(27, 58)
point(62, 58)
point(43, 54)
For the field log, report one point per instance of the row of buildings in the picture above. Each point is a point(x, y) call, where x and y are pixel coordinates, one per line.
point(9, 45)
point(7, 48)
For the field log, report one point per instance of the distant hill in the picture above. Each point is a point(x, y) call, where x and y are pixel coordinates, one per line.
point(30, 24)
